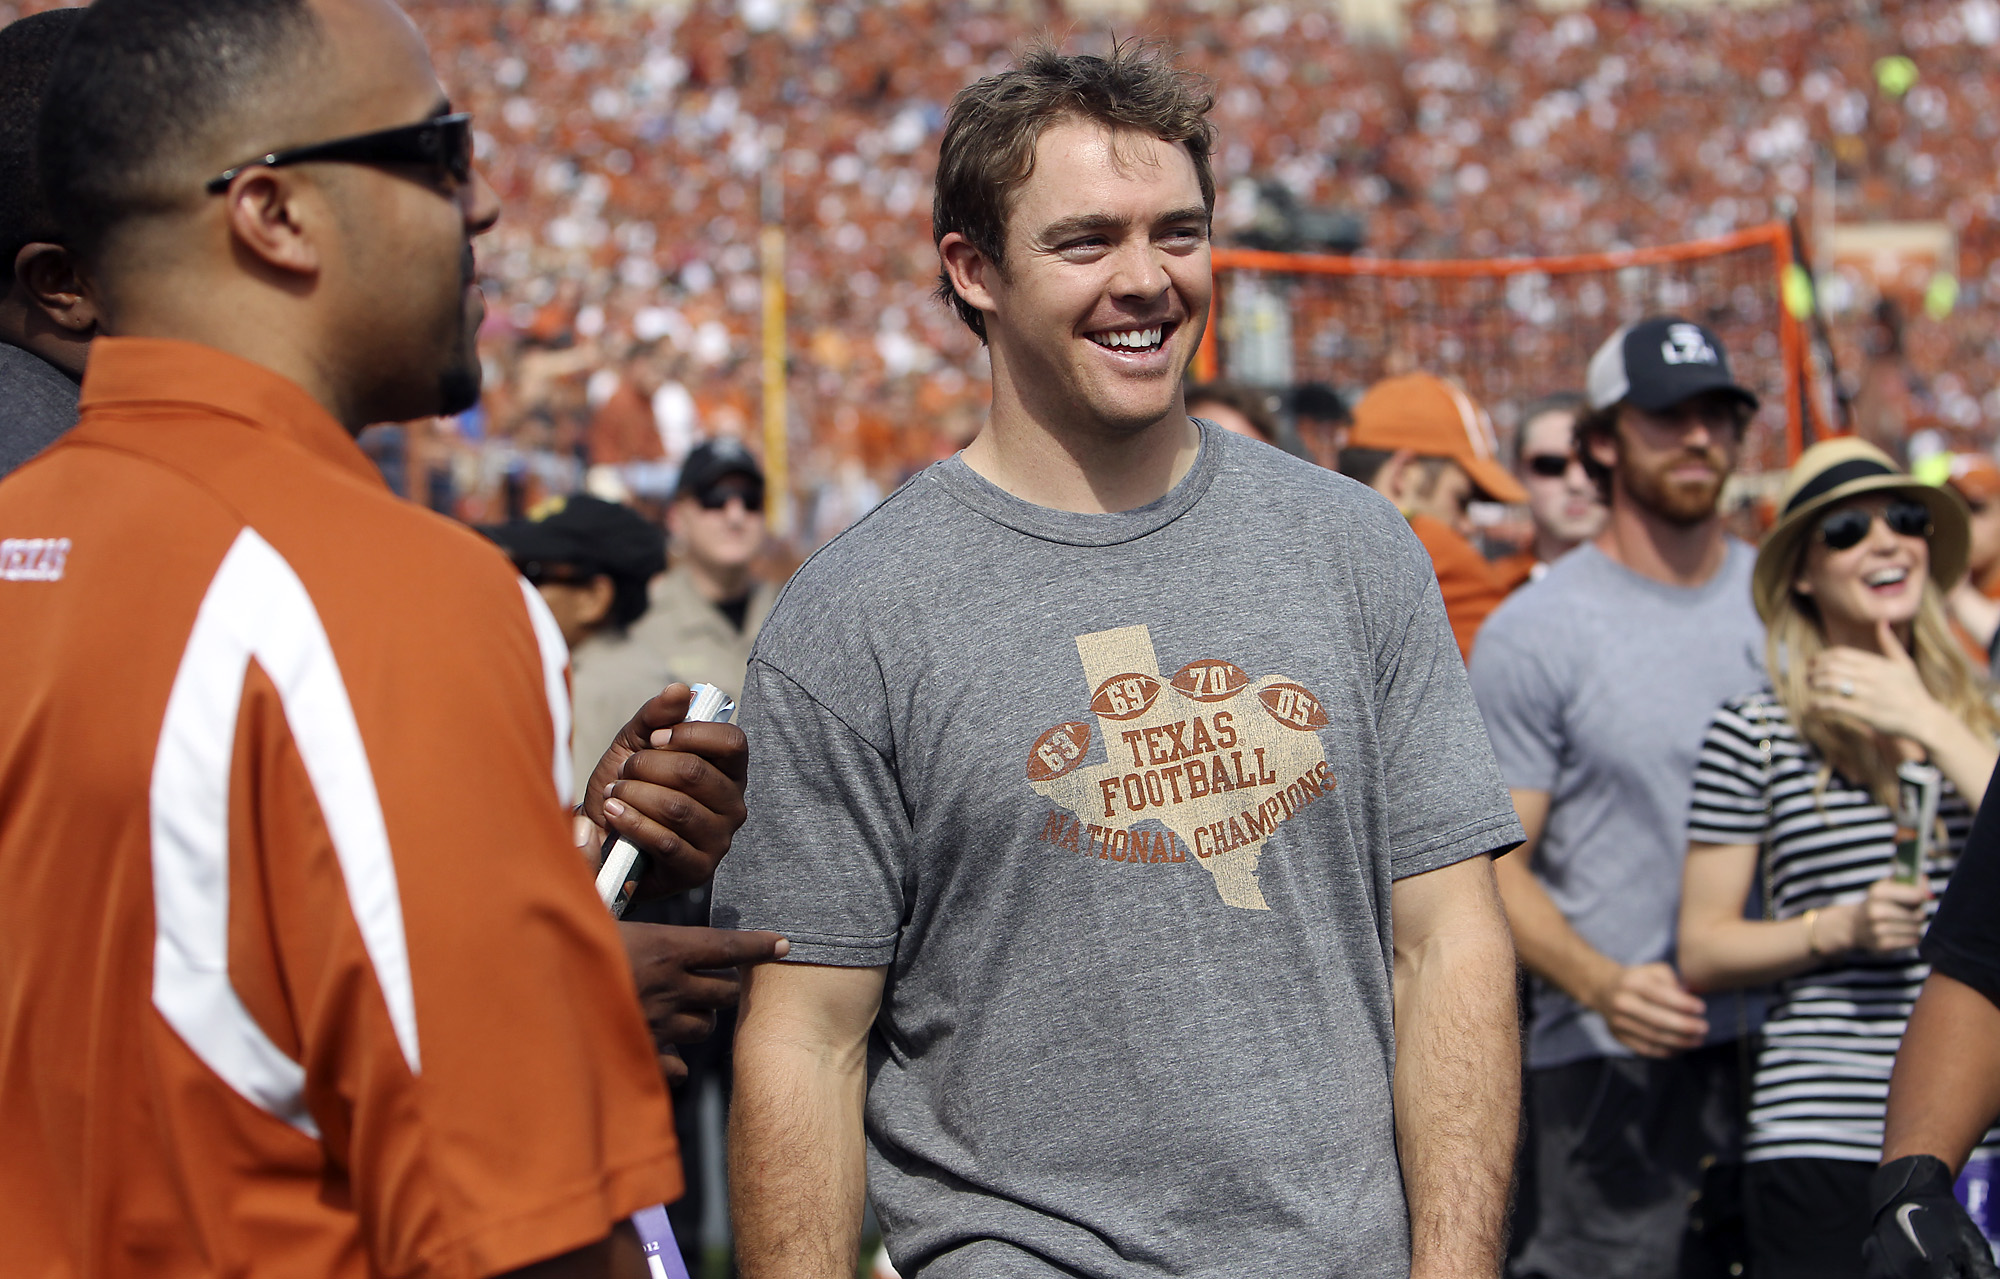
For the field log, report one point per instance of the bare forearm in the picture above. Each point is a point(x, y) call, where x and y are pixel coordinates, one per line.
point(1961, 755)
point(1726, 954)
point(1543, 939)
point(796, 1165)
point(1946, 1088)
point(1457, 1088)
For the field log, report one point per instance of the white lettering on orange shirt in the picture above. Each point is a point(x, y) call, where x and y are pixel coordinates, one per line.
point(33, 559)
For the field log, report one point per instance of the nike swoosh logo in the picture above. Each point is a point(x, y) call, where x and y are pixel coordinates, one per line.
point(1909, 1232)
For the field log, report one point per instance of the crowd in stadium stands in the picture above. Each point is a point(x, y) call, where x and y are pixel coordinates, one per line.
point(632, 144)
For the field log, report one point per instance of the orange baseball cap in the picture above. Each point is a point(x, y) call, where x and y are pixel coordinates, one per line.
point(1975, 476)
point(1434, 418)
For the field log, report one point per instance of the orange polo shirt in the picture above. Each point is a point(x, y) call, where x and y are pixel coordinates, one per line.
point(300, 973)
point(1471, 587)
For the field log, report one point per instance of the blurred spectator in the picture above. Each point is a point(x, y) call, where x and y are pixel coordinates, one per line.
point(1596, 684)
point(1563, 500)
point(1235, 407)
point(1974, 601)
point(622, 429)
point(630, 143)
point(1422, 443)
point(46, 323)
point(1322, 420)
point(593, 562)
point(1797, 793)
point(707, 608)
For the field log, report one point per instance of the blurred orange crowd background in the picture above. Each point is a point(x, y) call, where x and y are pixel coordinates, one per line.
point(632, 145)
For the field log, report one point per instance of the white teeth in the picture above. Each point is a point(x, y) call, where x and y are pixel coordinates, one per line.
point(1886, 577)
point(1129, 339)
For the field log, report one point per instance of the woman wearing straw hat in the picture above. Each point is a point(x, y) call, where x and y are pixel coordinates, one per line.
point(1795, 795)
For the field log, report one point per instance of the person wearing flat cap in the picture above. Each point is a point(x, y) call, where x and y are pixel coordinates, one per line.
point(1797, 791)
point(1596, 683)
point(591, 560)
point(1423, 443)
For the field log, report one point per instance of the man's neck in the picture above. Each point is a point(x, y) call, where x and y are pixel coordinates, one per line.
point(1667, 552)
point(1550, 548)
point(1052, 464)
point(235, 319)
point(718, 585)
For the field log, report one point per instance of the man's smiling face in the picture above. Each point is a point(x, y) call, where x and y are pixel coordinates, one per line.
point(1105, 285)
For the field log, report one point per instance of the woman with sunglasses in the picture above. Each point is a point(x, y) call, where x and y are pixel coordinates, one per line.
point(1795, 795)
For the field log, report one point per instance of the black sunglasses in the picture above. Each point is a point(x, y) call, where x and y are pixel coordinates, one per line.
point(1550, 466)
point(1846, 527)
point(716, 498)
point(442, 143)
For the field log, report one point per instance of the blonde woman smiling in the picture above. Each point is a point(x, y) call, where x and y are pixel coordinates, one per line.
point(1794, 799)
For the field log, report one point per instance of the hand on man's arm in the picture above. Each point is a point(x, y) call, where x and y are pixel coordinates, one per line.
point(687, 975)
point(1645, 1005)
point(797, 1174)
point(1458, 1068)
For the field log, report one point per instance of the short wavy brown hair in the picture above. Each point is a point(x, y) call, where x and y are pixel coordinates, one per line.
point(994, 124)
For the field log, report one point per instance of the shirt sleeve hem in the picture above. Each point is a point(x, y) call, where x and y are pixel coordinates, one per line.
point(521, 1236)
point(1979, 974)
point(1495, 835)
point(839, 952)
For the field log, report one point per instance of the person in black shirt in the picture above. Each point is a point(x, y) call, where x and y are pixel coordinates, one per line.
point(1946, 1088)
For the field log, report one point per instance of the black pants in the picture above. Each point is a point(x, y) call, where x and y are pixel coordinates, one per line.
point(1621, 1147)
point(1806, 1217)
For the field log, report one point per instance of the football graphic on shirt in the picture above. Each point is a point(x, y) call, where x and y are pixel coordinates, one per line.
point(1210, 679)
point(1203, 768)
point(1058, 751)
point(1126, 696)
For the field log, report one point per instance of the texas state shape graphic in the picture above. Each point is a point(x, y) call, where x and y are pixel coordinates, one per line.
point(1213, 757)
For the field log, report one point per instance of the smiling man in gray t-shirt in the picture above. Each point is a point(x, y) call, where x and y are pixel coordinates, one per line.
point(1120, 789)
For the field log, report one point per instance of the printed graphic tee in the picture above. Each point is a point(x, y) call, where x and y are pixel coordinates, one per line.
point(1118, 801)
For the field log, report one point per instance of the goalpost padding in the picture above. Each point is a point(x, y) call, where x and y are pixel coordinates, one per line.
point(1511, 330)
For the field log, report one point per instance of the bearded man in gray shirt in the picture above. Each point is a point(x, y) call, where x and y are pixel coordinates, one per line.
point(1119, 788)
point(1597, 683)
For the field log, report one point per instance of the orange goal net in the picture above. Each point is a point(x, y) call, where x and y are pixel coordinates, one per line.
point(1511, 330)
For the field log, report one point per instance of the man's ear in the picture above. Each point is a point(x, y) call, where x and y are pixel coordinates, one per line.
point(597, 600)
point(969, 271)
point(1393, 481)
point(1602, 447)
point(272, 218)
point(49, 275)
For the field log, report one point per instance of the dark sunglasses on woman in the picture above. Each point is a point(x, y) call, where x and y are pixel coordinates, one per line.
point(1847, 526)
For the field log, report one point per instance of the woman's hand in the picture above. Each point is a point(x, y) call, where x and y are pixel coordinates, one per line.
point(1890, 918)
point(1881, 690)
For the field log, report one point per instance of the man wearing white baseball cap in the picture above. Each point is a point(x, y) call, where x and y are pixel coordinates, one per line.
point(1596, 683)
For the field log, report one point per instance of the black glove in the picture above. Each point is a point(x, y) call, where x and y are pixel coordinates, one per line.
point(1921, 1231)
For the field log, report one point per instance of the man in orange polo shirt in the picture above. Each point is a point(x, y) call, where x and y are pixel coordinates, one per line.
point(299, 971)
point(1423, 443)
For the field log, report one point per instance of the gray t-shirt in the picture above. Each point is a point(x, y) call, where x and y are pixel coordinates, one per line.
point(1597, 685)
point(37, 405)
point(1118, 800)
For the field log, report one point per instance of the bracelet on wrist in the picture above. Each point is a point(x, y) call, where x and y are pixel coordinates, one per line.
point(1812, 939)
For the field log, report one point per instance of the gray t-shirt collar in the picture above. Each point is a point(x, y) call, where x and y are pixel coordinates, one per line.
point(1076, 528)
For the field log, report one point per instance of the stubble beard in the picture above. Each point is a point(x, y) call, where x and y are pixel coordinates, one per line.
point(1678, 502)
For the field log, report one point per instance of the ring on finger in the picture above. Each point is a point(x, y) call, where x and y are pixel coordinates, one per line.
point(1845, 688)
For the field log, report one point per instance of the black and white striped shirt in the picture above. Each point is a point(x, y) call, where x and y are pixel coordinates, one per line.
point(1830, 1039)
